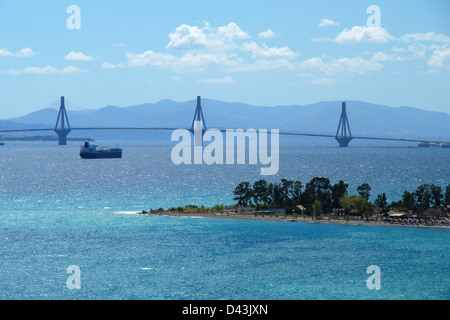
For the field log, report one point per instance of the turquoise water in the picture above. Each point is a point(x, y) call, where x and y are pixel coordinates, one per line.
point(57, 210)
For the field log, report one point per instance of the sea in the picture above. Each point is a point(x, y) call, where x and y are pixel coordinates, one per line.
point(69, 228)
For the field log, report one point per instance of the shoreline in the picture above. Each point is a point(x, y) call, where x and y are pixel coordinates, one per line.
point(283, 218)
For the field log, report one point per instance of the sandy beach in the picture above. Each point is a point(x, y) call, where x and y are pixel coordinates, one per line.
point(293, 219)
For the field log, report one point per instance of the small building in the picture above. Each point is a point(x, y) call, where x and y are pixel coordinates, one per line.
point(301, 209)
point(339, 212)
point(243, 209)
point(271, 211)
point(395, 214)
point(275, 210)
point(435, 212)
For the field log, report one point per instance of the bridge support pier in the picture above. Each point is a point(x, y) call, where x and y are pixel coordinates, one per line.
point(344, 142)
point(198, 123)
point(344, 134)
point(61, 129)
point(62, 137)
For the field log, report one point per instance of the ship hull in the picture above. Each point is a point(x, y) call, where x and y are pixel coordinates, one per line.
point(101, 155)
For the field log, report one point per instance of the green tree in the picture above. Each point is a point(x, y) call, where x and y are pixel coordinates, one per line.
point(381, 201)
point(276, 194)
point(286, 190)
point(291, 193)
point(317, 208)
point(436, 195)
point(243, 193)
point(364, 191)
point(297, 192)
point(359, 204)
point(408, 200)
point(338, 190)
point(260, 191)
point(396, 205)
point(317, 189)
point(447, 196)
point(427, 196)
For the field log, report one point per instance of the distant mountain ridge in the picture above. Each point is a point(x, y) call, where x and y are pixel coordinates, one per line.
point(365, 119)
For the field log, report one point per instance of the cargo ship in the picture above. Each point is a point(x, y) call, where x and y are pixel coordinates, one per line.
point(92, 151)
point(427, 144)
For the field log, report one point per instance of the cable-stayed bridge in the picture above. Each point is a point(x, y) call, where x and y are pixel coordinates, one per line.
point(343, 134)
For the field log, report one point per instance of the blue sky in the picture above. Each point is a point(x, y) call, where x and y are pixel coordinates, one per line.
point(257, 52)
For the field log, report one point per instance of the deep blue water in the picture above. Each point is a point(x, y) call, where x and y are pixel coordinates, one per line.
point(57, 210)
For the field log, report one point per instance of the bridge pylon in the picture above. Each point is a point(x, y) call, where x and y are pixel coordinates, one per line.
point(198, 123)
point(62, 127)
point(344, 134)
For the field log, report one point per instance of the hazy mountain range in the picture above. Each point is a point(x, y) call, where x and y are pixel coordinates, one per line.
point(365, 119)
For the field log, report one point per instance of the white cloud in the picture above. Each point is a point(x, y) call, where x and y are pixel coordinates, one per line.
point(46, 70)
point(191, 37)
point(428, 36)
point(222, 48)
point(358, 34)
point(189, 62)
point(267, 34)
point(416, 51)
point(265, 52)
point(22, 53)
point(224, 80)
point(149, 57)
point(108, 65)
point(231, 32)
point(186, 36)
point(52, 70)
point(261, 59)
point(321, 40)
point(37, 70)
point(440, 58)
point(12, 72)
point(78, 56)
point(25, 53)
point(363, 34)
point(326, 23)
point(416, 46)
point(382, 56)
point(5, 53)
point(423, 43)
point(262, 65)
point(227, 49)
point(356, 65)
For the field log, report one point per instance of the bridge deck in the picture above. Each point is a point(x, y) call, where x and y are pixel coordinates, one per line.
point(224, 130)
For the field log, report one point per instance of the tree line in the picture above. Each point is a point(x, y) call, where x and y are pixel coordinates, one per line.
point(319, 196)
